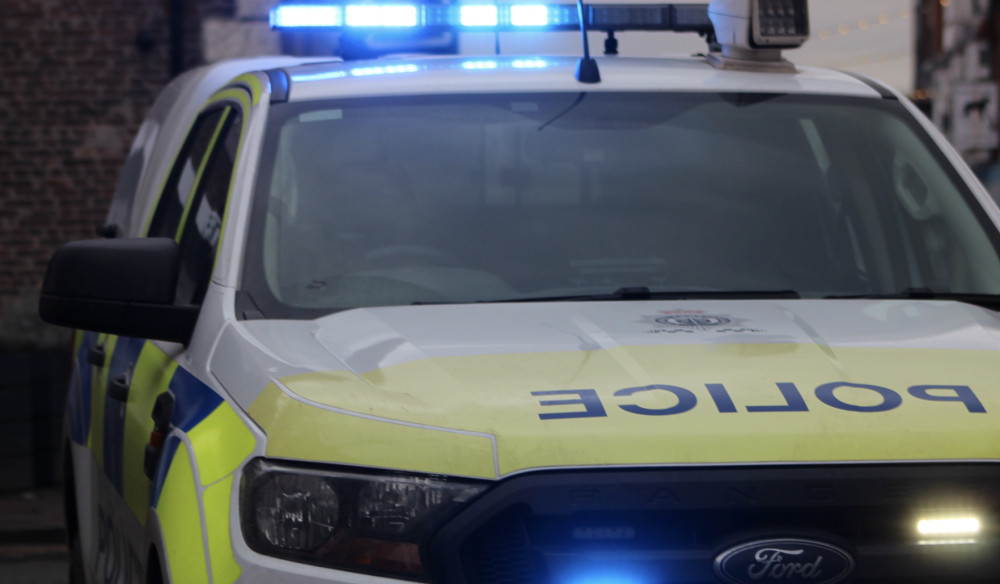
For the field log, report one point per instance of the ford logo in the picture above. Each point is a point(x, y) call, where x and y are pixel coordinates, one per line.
point(789, 561)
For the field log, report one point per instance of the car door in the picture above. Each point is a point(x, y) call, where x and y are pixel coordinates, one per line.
point(129, 375)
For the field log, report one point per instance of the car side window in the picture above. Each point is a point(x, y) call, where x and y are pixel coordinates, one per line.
point(202, 223)
point(176, 192)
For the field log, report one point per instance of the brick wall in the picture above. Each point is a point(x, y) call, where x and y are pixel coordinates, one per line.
point(195, 13)
point(76, 78)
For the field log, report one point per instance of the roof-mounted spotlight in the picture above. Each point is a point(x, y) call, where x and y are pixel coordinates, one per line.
point(752, 33)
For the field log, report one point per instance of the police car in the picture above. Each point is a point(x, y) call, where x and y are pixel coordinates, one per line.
point(536, 320)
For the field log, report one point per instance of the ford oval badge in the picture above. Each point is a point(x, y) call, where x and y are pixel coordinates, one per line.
point(789, 561)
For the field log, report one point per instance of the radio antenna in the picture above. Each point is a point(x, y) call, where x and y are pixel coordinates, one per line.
point(586, 69)
point(496, 33)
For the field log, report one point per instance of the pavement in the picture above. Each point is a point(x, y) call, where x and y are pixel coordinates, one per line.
point(31, 526)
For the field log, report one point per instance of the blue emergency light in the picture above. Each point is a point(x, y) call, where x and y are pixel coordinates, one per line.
point(491, 17)
point(741, 34)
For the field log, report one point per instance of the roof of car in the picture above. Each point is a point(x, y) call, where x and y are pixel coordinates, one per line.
point(504, 74)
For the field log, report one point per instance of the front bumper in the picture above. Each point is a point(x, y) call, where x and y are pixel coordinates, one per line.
point(670, 526)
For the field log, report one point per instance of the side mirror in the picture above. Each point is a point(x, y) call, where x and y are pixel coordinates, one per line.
point(117, 286)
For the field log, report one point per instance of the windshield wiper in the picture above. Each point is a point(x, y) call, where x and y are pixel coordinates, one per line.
point(644, 293)
point(991, 301)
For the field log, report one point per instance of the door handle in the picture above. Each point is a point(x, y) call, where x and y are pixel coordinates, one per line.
point(162, 411)
point(118, 388)
point(96, 355)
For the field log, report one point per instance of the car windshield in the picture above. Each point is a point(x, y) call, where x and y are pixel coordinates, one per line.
point(503, 197)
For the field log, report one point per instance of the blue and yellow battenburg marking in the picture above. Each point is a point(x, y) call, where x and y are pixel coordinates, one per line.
point(81, 386)
point(208, 440)
point(218, 443)
point(120, 367)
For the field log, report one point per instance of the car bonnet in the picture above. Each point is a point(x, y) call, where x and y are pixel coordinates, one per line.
point(491, 390)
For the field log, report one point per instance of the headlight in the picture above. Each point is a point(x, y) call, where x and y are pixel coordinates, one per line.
point(296, 512)
point(372, 523)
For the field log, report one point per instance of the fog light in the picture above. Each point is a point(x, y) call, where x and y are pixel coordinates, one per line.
point(949, 526)
point(949, 530)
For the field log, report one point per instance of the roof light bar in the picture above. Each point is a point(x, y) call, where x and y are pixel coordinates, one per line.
point(292, 16)
point(529, 15)
point(491, 17)
point(378, 16)
point(477, 15)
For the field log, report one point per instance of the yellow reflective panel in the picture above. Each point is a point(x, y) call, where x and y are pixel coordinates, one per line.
point(252, 83)
point(151, 377)
point(180, 522)
point(221, 442)
point(232, 94)
point(299, 431)
point(678, 404)
point(216, 498)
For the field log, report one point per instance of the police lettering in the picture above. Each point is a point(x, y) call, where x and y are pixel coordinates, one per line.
point(587, 399)
point(671, 400)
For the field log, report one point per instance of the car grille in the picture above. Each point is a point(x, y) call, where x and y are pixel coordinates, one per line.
point(668, 526)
